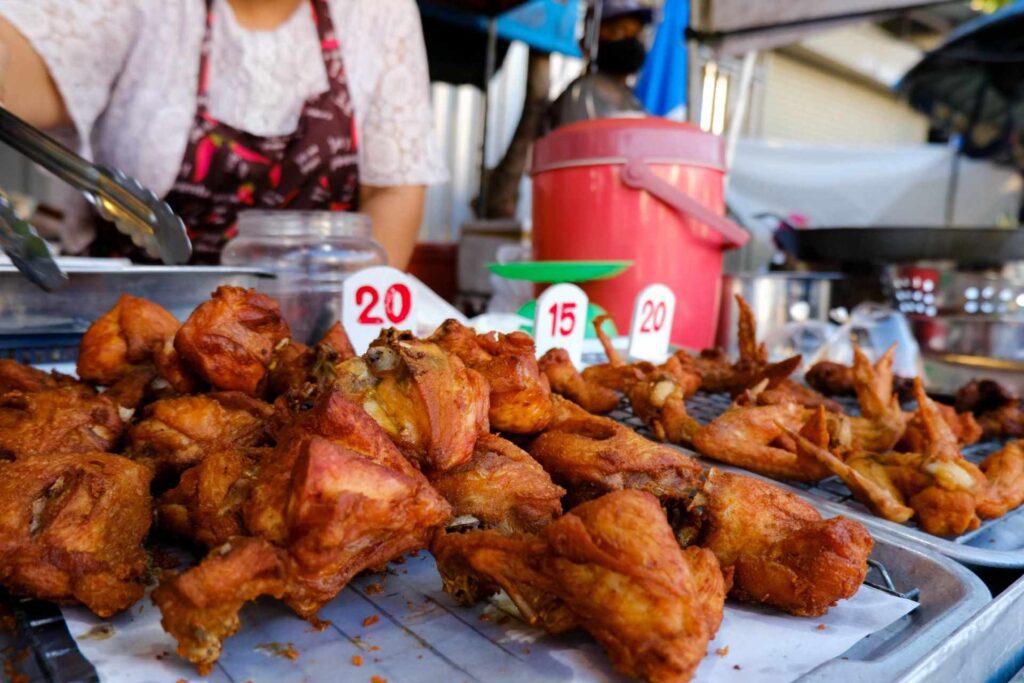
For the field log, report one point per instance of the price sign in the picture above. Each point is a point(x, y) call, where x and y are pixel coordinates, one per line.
point(651, 327)
point(561, 320)
point(374, 299)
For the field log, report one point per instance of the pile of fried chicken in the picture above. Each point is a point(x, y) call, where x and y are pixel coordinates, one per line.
point(902, 465)
point(299, 467)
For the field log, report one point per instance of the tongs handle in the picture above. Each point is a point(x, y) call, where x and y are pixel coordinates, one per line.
point(139, 213)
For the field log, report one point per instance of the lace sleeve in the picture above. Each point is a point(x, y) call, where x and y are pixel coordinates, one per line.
point(398, 144)
point(84, 45)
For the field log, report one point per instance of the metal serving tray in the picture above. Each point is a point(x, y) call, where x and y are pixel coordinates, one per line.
point(996, 543)
point(423, 636)
point(26, 310)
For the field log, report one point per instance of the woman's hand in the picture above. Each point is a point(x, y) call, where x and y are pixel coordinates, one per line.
point(26, 87)
point(397, 213)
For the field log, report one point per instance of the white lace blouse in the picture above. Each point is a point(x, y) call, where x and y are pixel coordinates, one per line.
point(127, 70)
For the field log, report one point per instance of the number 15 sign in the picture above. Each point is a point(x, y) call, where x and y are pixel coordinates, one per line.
point(561, 320)
point(374, 299)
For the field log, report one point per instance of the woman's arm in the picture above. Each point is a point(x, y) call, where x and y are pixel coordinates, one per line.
point(26, 87)
point(397, 213)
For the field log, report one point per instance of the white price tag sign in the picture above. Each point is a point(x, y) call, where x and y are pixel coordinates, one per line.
point(375, 299)
point(651, 327)
point(561, 320)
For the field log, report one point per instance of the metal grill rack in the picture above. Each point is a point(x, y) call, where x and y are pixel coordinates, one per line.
point(995, 543)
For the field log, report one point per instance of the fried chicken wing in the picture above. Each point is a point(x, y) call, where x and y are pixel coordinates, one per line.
point(611, 567)
point(882, 421)
point(502, 487)
point(15, 376)
point(426, 399)
point(783, 553)
point(68, 419)
point(660, 401)
point(1004, 471)
point(125, 337)
point(519, 398)
point(206, 505)
point(565, 380)
point(591, 455)
point(751, 437)
point(71, 529)
point(177, 433)
point(229, 340)
point(199, 608)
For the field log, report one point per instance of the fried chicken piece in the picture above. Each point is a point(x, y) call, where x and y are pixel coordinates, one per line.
point(177, 433)
point(660, 401)
point(519, 399)
point(338, 341)
point(591, 455)
point(997, 408)
point(428, 402)
point(964, 426)
point(174, 371)
point(882, 421)
point(611, 567)
point(72, 527)
point(565, 380)
point(783, 553)
point(751, 437)
point(302, 370)
point(229, 340)
point(714, 368)
point(831, 379)
point(1005, 421)
point(132, 390)
point(1004, 471)
point(501, 486)
point(15, 376)
point(199, 608)
point(69, 419)
point(123, 338)
point(206, 505)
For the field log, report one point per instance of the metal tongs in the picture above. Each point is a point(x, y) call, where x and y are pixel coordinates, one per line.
point(135, 210)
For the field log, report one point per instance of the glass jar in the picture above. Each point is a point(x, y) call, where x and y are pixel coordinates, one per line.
point(311, 253)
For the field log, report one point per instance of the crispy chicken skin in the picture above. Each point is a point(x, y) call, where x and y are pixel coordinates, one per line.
point(71, 529)
point(783, 553)
point(565, 380)
point(304, 370)
point(611, 567)
point(229, 340)
point(660, 401)
point(426, 399)
point(200, 607)
point(125, 337)
point(68, 419)
point(1004, 471)
point(502, 486)
point(519, 393)
point(15, 376)
point(177, 433)
point(591, 455)
point(206, 505)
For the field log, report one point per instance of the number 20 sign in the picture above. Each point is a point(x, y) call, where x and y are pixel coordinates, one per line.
point(374, 299)
point(561, 320)
point(651, 327)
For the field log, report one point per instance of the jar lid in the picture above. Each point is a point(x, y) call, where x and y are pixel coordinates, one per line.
point(617, 140)
point(274, 223)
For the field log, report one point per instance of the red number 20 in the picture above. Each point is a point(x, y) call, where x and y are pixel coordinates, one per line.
point(652, 316)
point(397, 302)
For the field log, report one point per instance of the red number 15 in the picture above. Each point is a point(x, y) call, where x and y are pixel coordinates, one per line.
point(563, 318)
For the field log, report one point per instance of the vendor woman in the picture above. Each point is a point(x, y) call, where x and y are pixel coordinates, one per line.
point(223, 105)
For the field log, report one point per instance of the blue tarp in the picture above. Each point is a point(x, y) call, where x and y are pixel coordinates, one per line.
point(662, 83)
point(546, 25)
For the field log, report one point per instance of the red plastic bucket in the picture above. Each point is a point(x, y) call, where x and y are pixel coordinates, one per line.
point(648, 190)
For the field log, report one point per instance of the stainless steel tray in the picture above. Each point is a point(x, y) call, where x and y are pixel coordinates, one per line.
point(997, 543)
point(423, 636)
point(27, 310)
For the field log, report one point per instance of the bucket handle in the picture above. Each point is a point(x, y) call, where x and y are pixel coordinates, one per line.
point(638, 175)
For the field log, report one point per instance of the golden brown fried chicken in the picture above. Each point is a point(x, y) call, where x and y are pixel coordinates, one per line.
point(338, 341)
point(565, 380)
point(206, 505)
point(71, 529)
point(502, 487)
point(964, 426)
point(882, 421)
point(125, 337)
point(520, 395)
point(660, 401)
point(200, 607)
point(69, 419)
point(15, 376)
point(229, 340)
point(831, 379)
point(174, 371)
point(752, 437)
point(426, 399)
point(783, 553)
point(302, 371)
point(591, 455)
point(611, 567)
point(177, 433)
point(1004, 471)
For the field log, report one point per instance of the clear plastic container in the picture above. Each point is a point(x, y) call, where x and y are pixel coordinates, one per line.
point(312, 253)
